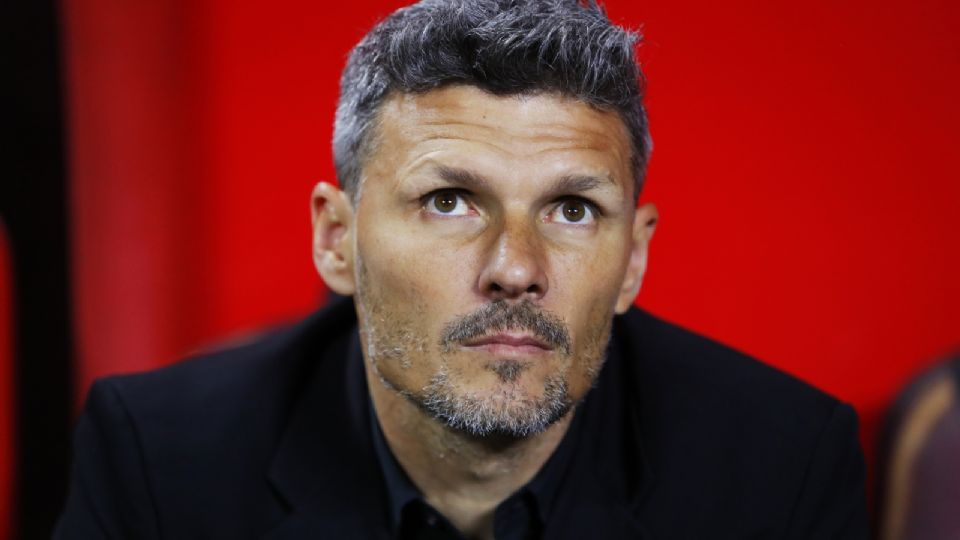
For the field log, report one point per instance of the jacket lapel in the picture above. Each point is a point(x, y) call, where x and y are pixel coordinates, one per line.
point(324, 469)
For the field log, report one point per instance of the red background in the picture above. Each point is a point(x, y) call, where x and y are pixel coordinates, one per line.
point(805, 167)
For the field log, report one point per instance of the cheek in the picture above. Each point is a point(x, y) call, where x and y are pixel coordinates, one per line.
point(423, 273)
point(591, 283)
point(590, 343)
point(408, 289)
point(590, 279)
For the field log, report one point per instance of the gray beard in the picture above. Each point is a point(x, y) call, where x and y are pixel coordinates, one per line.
point(500, 414)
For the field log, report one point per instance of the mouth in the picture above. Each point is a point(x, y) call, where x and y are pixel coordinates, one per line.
point(509, 344)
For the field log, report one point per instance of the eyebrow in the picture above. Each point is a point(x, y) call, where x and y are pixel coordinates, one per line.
point(574, 183)
point(570, 183)
point(462, 177)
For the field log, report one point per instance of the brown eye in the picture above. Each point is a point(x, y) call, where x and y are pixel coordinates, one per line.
point(574, 211)
point(445, 202)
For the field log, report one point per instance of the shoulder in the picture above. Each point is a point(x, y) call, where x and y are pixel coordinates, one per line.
point(231, 397)
point(186, 448)
point(683, 370)
point(751, 439)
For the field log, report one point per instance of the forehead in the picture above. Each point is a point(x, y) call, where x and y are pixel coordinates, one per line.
point(469, 125)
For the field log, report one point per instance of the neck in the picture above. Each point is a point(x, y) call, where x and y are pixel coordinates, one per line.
point(463, 476)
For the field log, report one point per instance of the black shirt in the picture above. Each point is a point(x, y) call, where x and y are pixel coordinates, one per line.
point(526, 514)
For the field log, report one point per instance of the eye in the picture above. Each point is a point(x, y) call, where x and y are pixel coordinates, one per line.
point(573, 211)
point(447, 203)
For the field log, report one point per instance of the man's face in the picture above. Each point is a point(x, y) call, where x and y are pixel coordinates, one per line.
point(492, 238)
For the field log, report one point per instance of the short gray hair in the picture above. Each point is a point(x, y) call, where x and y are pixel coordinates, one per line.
point(506, 47)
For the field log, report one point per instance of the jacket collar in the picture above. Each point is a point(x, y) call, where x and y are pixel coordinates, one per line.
point(324, 469)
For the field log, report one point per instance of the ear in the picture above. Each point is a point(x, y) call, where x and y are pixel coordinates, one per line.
point(332, 215)
point(644, 225)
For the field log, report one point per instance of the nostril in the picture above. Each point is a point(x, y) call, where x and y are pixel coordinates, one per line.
point(495, 287)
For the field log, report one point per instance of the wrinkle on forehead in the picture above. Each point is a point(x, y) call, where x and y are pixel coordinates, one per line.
point(417, 126)
point(550, 119)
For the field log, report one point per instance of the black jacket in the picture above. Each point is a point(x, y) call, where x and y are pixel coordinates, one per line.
point(268, 441)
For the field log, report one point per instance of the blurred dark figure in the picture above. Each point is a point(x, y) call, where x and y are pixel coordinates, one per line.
point(919, 474)
point(33, 201)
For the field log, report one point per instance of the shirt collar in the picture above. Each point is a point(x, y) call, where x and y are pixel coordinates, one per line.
point(599, 417)
point(400, 490)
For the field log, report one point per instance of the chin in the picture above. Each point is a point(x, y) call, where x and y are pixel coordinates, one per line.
point(519, 407)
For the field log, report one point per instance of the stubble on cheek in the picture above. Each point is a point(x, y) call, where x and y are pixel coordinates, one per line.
point(390, 328)
point(595, 341)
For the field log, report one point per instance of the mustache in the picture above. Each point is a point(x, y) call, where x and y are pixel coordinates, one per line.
point(499, 316)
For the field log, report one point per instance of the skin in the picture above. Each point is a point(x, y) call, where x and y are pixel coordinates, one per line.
point(512, 170)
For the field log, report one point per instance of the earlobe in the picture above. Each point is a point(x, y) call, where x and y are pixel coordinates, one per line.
point(644, 225)
point(332, 215)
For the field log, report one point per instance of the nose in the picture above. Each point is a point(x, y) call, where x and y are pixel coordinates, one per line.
point(515, 265)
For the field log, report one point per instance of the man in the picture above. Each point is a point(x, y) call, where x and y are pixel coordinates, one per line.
point(491, 378)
